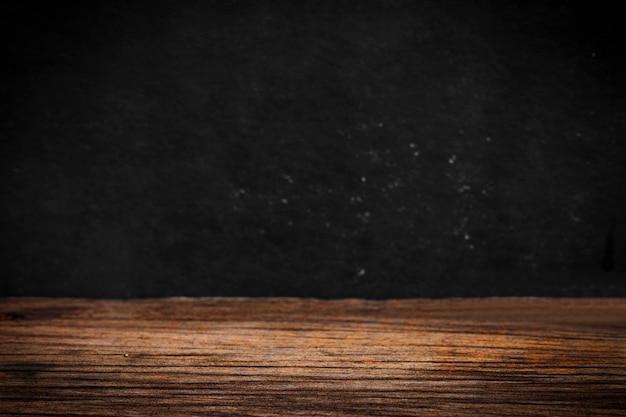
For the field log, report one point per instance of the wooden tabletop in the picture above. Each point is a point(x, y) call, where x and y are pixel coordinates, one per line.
point(304, 357)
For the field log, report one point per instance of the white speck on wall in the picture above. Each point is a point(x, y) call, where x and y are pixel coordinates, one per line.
point(488, 139)
point(467, 237)
point(361, 272)
point(284, 200)
point(363, 179)
point(364, 217)
point(452, 159)
point(394, 184)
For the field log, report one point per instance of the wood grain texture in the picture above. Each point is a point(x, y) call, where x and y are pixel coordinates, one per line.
point(301, 357)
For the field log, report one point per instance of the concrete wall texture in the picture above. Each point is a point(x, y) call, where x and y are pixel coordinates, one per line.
point(389, 149)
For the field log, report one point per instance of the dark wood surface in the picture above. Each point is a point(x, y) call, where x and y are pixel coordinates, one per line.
point(288, 357)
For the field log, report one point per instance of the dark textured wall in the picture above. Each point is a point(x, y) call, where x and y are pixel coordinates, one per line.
point(394, 149)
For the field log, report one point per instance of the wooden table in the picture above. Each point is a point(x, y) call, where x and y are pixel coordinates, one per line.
point(288, 357)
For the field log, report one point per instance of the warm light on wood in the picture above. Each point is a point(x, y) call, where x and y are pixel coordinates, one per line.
point(288, 357)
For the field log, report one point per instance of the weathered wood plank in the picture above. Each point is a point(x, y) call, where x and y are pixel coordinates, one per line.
point(289, 357)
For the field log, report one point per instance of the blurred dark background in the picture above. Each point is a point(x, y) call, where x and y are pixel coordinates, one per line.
point(318, 149)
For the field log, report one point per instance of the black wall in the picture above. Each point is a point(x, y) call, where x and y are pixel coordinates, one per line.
point(266, 148)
